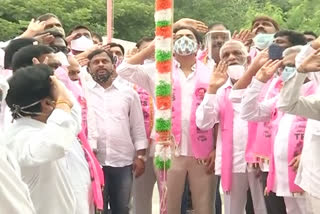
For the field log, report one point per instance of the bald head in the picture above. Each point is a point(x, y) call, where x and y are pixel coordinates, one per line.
point(234, 53)
point(73, 68)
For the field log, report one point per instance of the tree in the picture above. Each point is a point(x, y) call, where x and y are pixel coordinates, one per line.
point(133, 19)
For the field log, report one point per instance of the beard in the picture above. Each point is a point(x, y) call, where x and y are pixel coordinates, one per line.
point(102, 75)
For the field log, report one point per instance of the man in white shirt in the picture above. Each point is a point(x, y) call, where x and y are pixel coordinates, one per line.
point(236, 176)
point(15, 193)
point(121, 139)
point(265, 111)
point(308, 177)
point(46, 123)
point(186, 69)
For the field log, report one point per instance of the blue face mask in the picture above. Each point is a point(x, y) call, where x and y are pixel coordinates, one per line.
point(263, 40)
point(287, 73)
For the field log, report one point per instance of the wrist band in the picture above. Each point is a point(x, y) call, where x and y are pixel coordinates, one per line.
point(63, 102)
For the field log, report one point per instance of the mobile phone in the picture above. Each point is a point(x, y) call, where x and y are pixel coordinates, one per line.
point(275, 52)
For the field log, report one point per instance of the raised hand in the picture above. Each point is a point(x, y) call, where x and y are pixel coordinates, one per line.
point(261, 59)
point(45, 38)
point(60, 92)
point(34, 28)
point(70, 37)
point(268, 70)
point(198, 25)
point(218, 78)
point(130, 53)
point(311, 63)
point(244, 36)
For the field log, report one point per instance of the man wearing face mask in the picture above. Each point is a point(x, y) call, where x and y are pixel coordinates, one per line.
point(81, 39)
point(292, 102)
point(77, 158)
point(288, 130)
point(283, 39)
point(15, 193)
point(121, 141)
point(46, 122)
point(194, 150)
point(233, 134)
point(263, 28)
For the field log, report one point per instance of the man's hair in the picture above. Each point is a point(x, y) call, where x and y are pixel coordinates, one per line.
point(77, 27)
point(144, 39)
point(294, 37)
point(216, 24)
point(27, 86)
point(47, 16)
point(93, 34)
point(243, 48)
point(112, 44)
point(194, 32)
point(310, 33)
point(291, 50)
point(100, 51)
point(13, 47)
point(24, 56)
point(266, 18)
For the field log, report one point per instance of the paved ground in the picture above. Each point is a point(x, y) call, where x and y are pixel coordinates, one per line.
point(156, 201)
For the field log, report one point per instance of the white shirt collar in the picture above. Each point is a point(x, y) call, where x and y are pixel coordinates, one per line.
point(115, 84)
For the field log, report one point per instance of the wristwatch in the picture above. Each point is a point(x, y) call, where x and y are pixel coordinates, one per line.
point(142, 157)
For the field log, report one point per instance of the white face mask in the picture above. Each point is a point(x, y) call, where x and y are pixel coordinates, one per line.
point(81, 44)
point(263, 40)
point(288, 73)
point(185, 46)
point(235, 72)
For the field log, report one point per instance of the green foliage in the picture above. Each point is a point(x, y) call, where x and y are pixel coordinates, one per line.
point(134, 18)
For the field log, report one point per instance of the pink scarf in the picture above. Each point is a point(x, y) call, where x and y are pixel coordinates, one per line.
point(226, 125)
point(295, 143)
point(202, 141)
point(94, 166)
point(263, 134)
point(147, 109)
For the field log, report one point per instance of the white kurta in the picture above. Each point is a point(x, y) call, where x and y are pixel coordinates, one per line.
point(40, 149)
point(79, 175)
point(253, 110)
point(15, 196)
point(308, 176)
point(144, 76)
point(207, 115)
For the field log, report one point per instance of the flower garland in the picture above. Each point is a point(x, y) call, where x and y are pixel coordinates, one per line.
point(163, 93)
point(163, 88)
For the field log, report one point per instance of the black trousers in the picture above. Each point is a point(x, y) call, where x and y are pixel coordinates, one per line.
point(275, 204)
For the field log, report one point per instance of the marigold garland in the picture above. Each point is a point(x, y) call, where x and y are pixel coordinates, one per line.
point(163, 92)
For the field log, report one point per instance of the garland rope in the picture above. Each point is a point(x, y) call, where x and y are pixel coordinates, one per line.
point(163, 92)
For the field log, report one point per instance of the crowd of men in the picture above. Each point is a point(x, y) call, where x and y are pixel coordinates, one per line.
point(77, 121)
